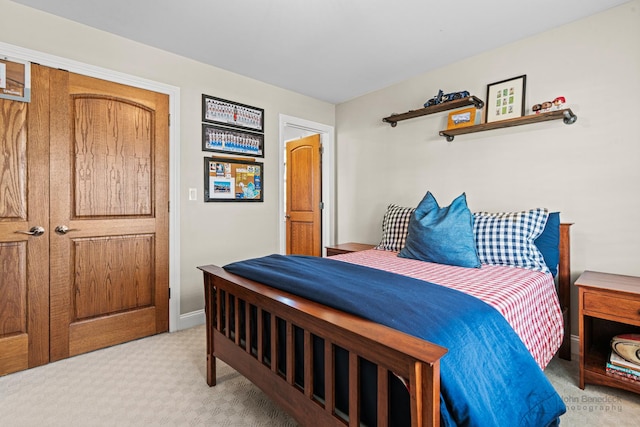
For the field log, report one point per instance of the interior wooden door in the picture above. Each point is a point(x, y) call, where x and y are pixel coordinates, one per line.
point(109, 214)
point(304, 196)
point(24, 218)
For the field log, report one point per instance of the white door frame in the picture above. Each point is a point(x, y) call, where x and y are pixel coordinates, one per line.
point(292, 128)
point(174, 154)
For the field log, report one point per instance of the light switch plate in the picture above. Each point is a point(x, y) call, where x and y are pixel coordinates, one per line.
point(193, 194)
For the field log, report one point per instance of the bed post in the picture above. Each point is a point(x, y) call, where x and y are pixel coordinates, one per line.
point(210, 317)
point(564, 288)
point(425, 395)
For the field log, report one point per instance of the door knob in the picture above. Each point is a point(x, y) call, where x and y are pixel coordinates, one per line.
point(63, 229)
point(33, 231)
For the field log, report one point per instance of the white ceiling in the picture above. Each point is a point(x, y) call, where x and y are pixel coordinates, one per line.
point(332, 50)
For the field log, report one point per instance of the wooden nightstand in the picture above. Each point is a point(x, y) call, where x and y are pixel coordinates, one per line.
point(609, 304)
point(345, 248)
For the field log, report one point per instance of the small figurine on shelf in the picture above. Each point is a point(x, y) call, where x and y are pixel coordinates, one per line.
point(556, 104)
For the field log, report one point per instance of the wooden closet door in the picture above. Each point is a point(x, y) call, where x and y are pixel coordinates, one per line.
point(109, 205)
point(24, 206)
point(304, 196)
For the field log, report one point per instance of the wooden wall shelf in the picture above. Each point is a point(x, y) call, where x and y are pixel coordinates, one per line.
point(445, 106)
point(567, 116)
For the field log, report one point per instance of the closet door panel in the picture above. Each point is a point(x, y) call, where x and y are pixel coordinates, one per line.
point(24, 243)
point(109, 171)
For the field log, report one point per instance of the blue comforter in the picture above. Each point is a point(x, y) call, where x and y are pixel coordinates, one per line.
point(488, 377)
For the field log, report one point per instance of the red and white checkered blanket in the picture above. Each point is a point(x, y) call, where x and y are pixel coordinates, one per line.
point(527, 299)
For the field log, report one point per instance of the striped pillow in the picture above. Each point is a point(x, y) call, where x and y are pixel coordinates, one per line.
point(395, 226)
point(507, 238)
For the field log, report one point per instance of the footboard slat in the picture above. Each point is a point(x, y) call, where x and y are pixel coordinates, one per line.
point(227, 315)
point(247, 327)
point(329, 375)
point(290, 374)
point(309, 381)
point(216, 312)
point(289, 326)
point(274, 344)
point(260, 335)
point(236, 320)
point(354, 390)
point(383, 396)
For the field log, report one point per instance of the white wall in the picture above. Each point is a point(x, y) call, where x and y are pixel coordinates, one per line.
point(210, 232)
point(590, 171)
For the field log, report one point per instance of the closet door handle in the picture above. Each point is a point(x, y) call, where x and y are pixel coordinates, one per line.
point(63, 229)
point(33, 231)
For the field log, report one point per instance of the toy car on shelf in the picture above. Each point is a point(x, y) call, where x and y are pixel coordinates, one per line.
point(442, 97)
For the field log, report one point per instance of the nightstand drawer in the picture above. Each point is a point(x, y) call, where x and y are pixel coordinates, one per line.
point(611, 305)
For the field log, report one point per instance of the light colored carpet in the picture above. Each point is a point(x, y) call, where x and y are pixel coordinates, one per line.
point(160, 381)
point(595, 406)
point(155, 381)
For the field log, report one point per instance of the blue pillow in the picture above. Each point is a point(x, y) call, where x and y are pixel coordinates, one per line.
point(442, 235)
point(549, 242)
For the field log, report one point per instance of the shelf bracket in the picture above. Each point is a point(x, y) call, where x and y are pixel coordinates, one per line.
point(391, 122)
point(477, 102)
point(446, 135)
point(569, 117)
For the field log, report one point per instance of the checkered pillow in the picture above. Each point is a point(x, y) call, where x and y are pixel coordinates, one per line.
point(395, 226)
point(507, 238)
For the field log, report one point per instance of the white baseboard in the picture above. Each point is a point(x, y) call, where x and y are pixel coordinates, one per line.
point(575, 345)
point(194, 318)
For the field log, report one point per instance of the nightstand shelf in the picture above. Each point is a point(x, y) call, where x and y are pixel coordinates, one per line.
point(609, 304)
point(345, 248)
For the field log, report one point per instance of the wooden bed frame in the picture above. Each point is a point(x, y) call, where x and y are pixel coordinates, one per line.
point(229, 337)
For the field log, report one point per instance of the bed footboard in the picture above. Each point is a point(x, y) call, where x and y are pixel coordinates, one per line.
point(272, 338)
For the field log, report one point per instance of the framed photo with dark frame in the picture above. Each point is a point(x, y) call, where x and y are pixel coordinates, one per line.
point(229, 113)
point(221, 139)
point(505, 99)
point(233, 180)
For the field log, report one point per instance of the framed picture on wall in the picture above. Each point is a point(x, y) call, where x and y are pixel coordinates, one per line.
point(221, 139)
point(463, 118)
point(15, 79)
point(505, 99)
point(233, 180)
point(229, 113)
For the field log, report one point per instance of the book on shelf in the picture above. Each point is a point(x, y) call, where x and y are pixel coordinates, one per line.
point(615, 359)
point(619, 367)
point(623, 375)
